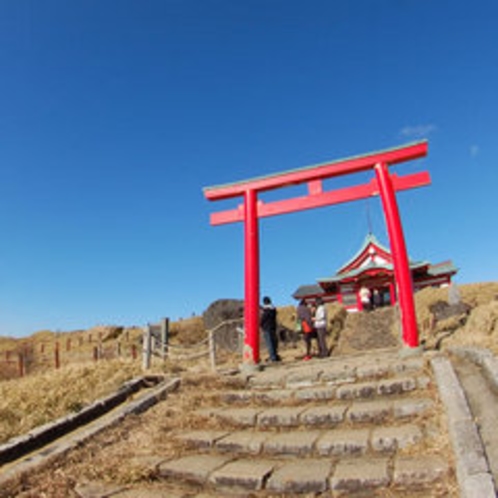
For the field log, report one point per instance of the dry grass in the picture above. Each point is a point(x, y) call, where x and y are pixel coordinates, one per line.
point(35, 400)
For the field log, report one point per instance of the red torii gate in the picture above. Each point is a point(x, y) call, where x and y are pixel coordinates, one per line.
point(383, 183)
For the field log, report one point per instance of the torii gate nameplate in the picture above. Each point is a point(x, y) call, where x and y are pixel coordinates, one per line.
point(382, 184)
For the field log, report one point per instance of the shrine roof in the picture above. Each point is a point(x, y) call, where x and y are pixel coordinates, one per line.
point(414, 265)
point(369, 239)
point(442, 268)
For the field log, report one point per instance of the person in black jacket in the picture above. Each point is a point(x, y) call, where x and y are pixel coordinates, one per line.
point(268, 322)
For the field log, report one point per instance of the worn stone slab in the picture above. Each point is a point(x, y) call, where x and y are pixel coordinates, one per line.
point(305, 378)
point(400, 385)
point(246, 416)
point(236, 397)
point(243, 474)
point(490, 365)
point(201, 439)
point(478, 486)
point(303, 476)
point(243, 442)
point(268, 379)
point(408, 365)
point(343, 442)
point(194, 468)
point(354, 475)
point(286, 416)
point(96, 489)
point(370, 411)
point(151, 493)
point(338, 374)
point(405, 408)
point(372, 371)
point(315, 393)
point(324, 415)
point(468, 448)
point(358, 390)
point(450, 390)
point(273, 396)
point(294, 443)
point(389, 439)
point(417, 471)
point(466, 442)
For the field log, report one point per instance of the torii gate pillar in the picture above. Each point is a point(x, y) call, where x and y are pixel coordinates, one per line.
point(251, 291)
point(400, 256)
point(383, 184)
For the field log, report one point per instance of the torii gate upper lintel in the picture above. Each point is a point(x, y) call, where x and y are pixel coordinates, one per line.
point(382, 184)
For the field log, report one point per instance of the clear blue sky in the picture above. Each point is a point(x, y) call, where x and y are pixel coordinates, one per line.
point(115, 114)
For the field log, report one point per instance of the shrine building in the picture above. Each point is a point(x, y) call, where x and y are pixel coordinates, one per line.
point(372, 266)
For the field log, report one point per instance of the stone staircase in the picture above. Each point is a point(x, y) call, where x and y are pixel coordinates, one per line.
point(359, 425)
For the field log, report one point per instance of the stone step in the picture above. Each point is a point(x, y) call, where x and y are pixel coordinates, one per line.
point(369, 389)
point(307, 475)
point(333, 371)
point(353, 411)
point(336, 442)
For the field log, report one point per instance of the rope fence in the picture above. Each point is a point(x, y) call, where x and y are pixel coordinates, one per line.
point(222, 344)
point(224, 339)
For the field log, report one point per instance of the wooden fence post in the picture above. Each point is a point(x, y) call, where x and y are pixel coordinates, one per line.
point(21, 364)
point(57, 356)
point(212, 350)
point(164, 337)
point(146, 348)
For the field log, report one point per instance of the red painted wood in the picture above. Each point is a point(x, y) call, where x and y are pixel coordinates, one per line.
point(318, 172)
point(251, 315)
point(323, 199)
point(400, 256)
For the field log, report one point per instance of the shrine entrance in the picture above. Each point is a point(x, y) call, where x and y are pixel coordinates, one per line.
point(383, 184)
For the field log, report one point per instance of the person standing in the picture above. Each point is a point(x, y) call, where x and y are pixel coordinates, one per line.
point(305, 322)
point(377, 299)
point(268, 322)
point(320, 320)
point(365, 296)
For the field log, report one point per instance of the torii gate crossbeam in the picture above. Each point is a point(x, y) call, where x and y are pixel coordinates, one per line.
point(383, 184)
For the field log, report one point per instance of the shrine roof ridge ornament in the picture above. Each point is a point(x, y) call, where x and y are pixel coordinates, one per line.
point(338, 167)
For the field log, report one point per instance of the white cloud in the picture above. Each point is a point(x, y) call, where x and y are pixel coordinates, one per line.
point(418, 131)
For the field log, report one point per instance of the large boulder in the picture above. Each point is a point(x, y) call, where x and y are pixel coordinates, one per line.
point(223, 310)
